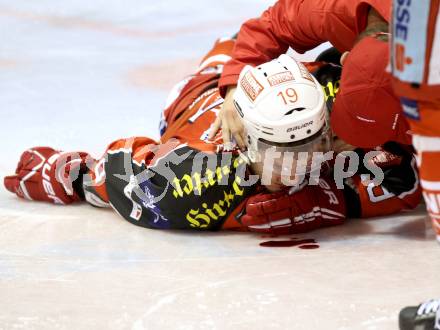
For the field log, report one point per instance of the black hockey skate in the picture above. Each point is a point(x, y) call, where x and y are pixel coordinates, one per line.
point(422, 317)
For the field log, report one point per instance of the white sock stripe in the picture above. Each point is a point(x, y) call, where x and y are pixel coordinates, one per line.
point(429, 307)
point(426, 143)
point(430, 185)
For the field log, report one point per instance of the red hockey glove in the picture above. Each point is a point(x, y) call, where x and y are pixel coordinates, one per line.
point(45, 174)
point(282, 213)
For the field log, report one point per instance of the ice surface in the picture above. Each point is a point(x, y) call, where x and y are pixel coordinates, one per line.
point(79, 74)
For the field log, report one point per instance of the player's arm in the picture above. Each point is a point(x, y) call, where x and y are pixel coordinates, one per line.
point(326, 205)
point(287, 23)
point(298, 24)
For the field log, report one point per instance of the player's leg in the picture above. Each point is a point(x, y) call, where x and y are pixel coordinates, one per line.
point(426, 141)
point(45, 174)
point(416, 70)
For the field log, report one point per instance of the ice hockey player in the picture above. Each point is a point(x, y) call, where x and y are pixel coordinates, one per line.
point(354, 27)
point(358, 28)
point(415, 66)
point(186, 181)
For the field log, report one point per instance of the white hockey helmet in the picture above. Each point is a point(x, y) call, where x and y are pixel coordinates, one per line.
point(282, 105)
